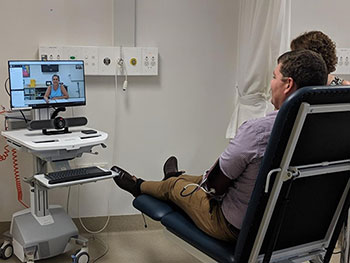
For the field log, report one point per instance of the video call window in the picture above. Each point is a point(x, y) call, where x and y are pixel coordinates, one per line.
point(31, 80)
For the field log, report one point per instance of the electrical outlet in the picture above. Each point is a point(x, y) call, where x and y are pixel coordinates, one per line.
point(343, 65)
point(149, 61)
point(50, 53)
point(90, 57)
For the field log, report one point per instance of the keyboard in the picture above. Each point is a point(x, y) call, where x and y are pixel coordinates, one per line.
point(75, 174)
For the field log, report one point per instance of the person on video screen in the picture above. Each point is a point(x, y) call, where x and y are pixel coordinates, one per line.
point(56, 90)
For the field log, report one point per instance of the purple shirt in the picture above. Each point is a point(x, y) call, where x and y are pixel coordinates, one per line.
point(241, 162)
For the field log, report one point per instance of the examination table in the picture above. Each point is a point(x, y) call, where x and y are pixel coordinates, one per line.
point(301, 196)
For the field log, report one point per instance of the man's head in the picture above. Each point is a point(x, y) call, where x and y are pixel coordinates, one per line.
point(296, 69)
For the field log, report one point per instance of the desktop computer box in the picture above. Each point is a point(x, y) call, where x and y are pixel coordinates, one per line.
point(15, 120)
point(31, 238)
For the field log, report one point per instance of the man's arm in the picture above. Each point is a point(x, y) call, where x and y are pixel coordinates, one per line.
point(241, 151)
point(218, 180)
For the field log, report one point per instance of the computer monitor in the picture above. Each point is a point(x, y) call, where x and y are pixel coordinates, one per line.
point(30, 80)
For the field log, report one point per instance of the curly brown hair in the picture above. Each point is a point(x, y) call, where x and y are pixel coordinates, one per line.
point(319, 42)
point(305, 67)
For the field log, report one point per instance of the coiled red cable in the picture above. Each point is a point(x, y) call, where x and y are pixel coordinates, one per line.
point(17, 178)
point(5, 154)
point(15, 167)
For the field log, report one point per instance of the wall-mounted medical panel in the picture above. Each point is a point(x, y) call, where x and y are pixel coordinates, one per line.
point(107, 61)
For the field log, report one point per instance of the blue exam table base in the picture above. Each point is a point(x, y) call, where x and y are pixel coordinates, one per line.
point(182, 226)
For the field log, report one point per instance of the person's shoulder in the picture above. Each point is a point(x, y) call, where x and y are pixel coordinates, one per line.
point(269, 117)
point(253, 127)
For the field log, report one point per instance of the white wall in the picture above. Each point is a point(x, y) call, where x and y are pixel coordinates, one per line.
point(183, 111)
point(330, 17)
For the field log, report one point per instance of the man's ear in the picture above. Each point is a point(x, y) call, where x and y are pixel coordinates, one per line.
point(291, 86)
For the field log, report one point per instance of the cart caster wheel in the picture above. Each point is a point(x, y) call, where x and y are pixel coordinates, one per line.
point(80, 257)
point(6, 250)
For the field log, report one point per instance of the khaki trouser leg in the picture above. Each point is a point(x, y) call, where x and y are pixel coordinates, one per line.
point(196, 205)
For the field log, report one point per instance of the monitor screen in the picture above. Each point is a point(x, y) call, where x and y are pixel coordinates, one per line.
point(42, 84)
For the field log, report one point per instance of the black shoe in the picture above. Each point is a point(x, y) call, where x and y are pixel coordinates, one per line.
point(127, 182)
point(170, 168)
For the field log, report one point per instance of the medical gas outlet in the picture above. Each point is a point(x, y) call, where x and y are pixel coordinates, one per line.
point(133, 61)
point(105, 61)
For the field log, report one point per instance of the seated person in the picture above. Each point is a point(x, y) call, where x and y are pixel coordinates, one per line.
point(217, 201)
point(321, 43)
point(55, 91)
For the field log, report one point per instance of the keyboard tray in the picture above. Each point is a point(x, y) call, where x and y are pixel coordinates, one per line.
point(41, 178)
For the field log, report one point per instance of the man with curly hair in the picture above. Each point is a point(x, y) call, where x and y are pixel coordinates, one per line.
point(319, 42)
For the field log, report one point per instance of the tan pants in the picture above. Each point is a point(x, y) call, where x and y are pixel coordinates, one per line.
point(196, 205)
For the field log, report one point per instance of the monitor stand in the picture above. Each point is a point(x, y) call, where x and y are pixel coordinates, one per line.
point(55, 113)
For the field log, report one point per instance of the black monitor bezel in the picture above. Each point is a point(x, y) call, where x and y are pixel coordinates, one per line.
point(47, 105)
